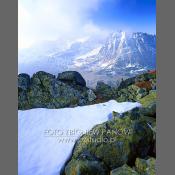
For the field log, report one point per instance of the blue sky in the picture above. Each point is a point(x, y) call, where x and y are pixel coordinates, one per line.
point(40, 20)
point(137, 15)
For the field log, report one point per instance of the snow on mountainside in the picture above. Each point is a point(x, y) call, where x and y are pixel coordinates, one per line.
point(55, 57)
point(121, 54)
point(124, 51)
point(46, 136)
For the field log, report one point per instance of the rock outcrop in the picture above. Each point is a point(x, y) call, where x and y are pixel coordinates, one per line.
point(136, 88)
point(44, 90)
point(125, 145)
point(69, 89)
point(115, 143)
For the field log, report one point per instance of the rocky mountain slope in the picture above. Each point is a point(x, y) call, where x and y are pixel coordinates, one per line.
point(126, 144)
point(108, 147)
point(44, 90)
point(129, 52)
point(121, 54)
point(47, 136)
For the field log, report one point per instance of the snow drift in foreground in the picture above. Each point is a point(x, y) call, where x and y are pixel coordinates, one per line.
point(44, 142)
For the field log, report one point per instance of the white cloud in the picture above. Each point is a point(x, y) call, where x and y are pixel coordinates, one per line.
point(52, 19)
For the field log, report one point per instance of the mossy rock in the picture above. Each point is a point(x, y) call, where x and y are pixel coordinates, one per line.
point(23, 88)
point(123, 97)
point(86, 167)
point(45, 91)
point(149, 99)
point(137, 112)
point(131, 93)
point(104, 91)
point(117, 142)
point(146, 167)
point(124, 170)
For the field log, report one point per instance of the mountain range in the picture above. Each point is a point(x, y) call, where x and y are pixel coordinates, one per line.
point(120, 55)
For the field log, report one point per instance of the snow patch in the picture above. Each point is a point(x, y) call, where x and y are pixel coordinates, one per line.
point(43, 154)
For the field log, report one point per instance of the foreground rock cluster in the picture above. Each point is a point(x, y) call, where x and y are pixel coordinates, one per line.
point(122, 146)
point(44, 90)
point(68, 89)
point(125, 145)
point(131, 89)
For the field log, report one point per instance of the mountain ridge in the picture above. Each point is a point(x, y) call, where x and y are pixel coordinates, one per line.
point(121, 54)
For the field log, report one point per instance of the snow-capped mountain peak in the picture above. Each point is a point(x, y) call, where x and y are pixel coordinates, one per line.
point(120, 54)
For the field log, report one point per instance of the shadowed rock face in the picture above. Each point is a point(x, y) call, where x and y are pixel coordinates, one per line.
point(72, 77)
point(23, 81)
point(44, 90)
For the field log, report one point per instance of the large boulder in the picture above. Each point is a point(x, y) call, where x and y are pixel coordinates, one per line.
point(48, 92)
point(42, 79)
point(72, 77)
point(126, 94)
point(23, 87)
point(40, 93)
point(86, 167)
point(117, 142)
point(104, 91)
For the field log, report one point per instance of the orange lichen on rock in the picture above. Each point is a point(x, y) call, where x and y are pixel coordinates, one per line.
point(152, 72)
point(144, 84)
